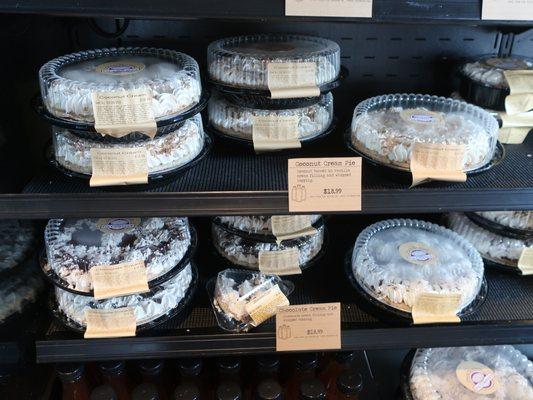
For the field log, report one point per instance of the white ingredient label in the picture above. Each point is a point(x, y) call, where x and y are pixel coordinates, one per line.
point(329, 8)
point(435, 161)
point(117, 322)
point(275, 132)
point(265, 306)
point(511, 10)
point(282, 262)
point(435, 308)
point(119, 166)
point(477, 377)
point(525, 262)
point(290, 226)
point(119, 279)
point(292, 80)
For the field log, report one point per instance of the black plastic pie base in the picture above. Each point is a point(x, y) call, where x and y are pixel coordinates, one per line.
point(405, 373)
point(483, 96)
point(498, 229)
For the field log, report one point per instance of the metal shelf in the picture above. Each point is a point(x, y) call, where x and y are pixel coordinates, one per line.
point(506, 316)
point(383, 10)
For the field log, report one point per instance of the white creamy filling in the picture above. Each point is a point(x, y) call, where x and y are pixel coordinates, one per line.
point(146, 309)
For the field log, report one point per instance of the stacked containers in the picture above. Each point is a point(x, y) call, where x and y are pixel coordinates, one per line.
point(171, 83)
point(273, 91)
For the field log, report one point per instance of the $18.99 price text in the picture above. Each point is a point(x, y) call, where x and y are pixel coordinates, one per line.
point(333, 191)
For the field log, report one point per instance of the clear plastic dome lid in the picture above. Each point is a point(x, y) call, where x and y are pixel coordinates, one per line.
point(67, 82)
point(476, 373)
point(261, 224)
point(489, 70)
point(513, 219)
point(386, 127)
point(397, 260)
point(74, 246)
point(242, 61)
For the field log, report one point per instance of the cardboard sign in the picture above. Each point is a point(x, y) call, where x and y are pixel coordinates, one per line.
point(119, 279)
point(324, 184)
point(433, 308)
point(329, 8)
point(309, 327)
point(434, 161)
point(282, 262)
point(117, 322)
point(119, 166)
point(510, 10)
point(288, 80)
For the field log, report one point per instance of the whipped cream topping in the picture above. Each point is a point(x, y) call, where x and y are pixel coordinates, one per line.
point(512, 219)
point(17, 241)
point(261, 224)
point(147, 306)
point(18, 289)
point(433, 373)
point(492, 74)
point(245, 252)
point(164, 153)
point(236, 120)
point(75, 246)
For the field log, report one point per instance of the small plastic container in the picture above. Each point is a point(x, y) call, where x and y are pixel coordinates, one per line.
point(483, 81)
point(504, 251)
point(165, 154)
point(469, 373)
point(242, 61)
point(234, 289)
point(257, 226)
point(396, 260)
point(520, 221)
point(236, 120)
point(384, 129)
point(244, 251)
point(152, 308)
point(18, 243)
point(73, 247)
point(172, 78)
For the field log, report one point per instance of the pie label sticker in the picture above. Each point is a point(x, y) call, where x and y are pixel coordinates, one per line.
point(119, 166)
point(477, 377)
point(262, 308)
point(510, 10)
point(417, 253)
point(288, 80)
point(120, 68)
point(434, 308)
point(275, 132)
point(116, 322)
point(281, 262)
point(117, 225)
point(324, 184)
point(119, 279)
point(525, 262)
point(421, 117)
point(291, 226)
point(309, 327)
point(513, 135)
point(329, 8)
point(436, 161)
point(118, 113)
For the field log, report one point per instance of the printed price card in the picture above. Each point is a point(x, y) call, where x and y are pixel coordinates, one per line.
point(329, 8)
point(308, 327)
point(324, 184)
point(513, 10)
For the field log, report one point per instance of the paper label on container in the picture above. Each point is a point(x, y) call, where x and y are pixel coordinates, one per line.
point(119, 113)
point(275, 132)
point(433, 308)
point(522, 120)
point(520, 81)
point(117, 225)
point(262, 308)
point(513, 135)
point(117, 322)
point(291, 226)
point(417, 253)
point(287, 80)
point(282, 262)
point(519, 103)
point(119, 279)
point(434, 161)
point(477, 377)
point(119, 166)
point(120, 68)
point(324, 184)
point(525, 262)
point(309, 327)
point(329, 8)
point(511, 10)
point(421, 117)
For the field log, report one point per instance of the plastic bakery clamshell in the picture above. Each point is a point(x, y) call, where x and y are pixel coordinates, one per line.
point(395, 262)
point(152, 308)
point(516, 222)
point(242, 299)
point(467, 373)
point(164, 245)
point(385, 128)
point(483, 81)
point(499, 249)
point(260, 64)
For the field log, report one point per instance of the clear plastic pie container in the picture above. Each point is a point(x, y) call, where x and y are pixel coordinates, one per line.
point(492, 246)
point(242, 61)
point(237, 120)
point(394, 261)
point(244, 251)
point(74, 246)
point(18, 242)
point(161, 302)
point(522, 220)
point(470, 373)
point(164, 153)
point(67, 82)
point(385, 128)
point(253, 224)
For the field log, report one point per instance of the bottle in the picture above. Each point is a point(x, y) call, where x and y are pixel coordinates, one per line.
point(304, 368)
point(114, 375)
point(229, 369)
point(74, 381)
point(340, 361)
point(228, 390)
point(268, 389)
point(190, 370)
point(312, 389)
point(152, 372)
point(267, 367)
point(349, 385)
point(187, 391)
point(145, 391)
point(103, 392)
